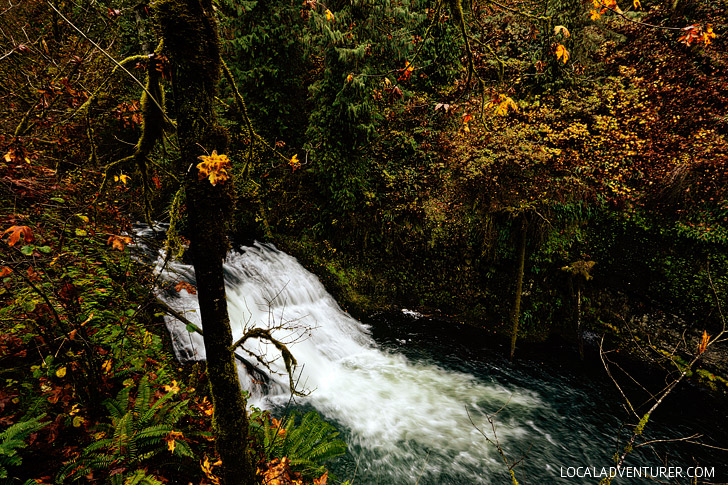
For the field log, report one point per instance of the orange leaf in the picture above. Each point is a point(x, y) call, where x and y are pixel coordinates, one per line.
point(118, 242)
point(406, 72)
point(562, 53)
point(703, 342)
point(14, 233)
point(4, 271)
point(183, 285)
point(322, 480)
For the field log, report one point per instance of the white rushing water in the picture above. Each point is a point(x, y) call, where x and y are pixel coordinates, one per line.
point(407, 418)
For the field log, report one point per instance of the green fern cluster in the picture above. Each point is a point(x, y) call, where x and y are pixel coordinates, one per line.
point(138, 432)
point(307, 445)
point(13, 439)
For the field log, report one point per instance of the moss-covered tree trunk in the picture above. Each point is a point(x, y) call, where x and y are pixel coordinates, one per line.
point(516, 312)
point(190, 37)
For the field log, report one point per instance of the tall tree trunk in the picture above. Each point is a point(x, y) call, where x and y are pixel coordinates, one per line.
point(516, 313)
point(190, 37)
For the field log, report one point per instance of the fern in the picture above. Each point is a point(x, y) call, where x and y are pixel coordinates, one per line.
point(138, 477)
point(13, 439)
point(138, 432)
point(307, 445)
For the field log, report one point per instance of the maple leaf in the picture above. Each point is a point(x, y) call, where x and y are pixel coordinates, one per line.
point(703, 342)
point(170, 439)
point(349, 78)
point(322, 480)
point(636, 4)
point(4, 271)
point(611, 5)
point(560, 29)
point(106, 367)
point(183, 285)
point(562, 53)
point(406, 72)
point(122, 178)
point(118, 242)
point(207, 467)
point(278, 426)
point(595, 15)
point(14, 233)
point(294, 163)
point(708, 34)
point(174, 388)
point(329, 16)
point(214, 167)
point(505, 103)
point(206, 407)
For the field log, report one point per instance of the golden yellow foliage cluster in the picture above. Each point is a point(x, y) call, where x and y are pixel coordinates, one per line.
point(214, 167)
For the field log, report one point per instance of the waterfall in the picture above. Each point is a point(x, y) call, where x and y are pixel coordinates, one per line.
point(406, 420)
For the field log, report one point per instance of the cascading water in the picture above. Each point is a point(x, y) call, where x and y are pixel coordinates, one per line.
point(406, 420)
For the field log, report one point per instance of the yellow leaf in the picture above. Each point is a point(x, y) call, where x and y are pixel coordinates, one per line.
point(636, 4)
point(106, 367)
point(170, 439)
point(349, 78)
point(61, 372)
point(122, 178)
point(560, 29)
point(214, 167)
point(595, 15)
point(329, 15)
point(206, 407)
point(562, 53)
point(78, 421)
point(174, 388)
point(294, 163)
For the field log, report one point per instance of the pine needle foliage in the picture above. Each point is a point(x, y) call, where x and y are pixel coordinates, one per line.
point(308, 444)
point(140, 429)
point(13, 439)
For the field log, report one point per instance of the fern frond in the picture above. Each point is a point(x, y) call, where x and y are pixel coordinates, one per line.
point(143, 397)
point(118, 407)
point(13, 439)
